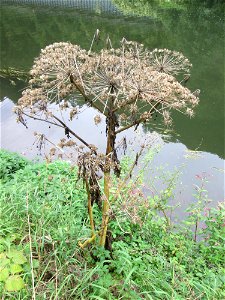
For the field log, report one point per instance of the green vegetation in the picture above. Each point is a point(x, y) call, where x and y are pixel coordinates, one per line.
point(10, 164)
point(43, 217)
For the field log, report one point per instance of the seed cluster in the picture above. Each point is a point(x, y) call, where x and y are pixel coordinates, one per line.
point(169, 62)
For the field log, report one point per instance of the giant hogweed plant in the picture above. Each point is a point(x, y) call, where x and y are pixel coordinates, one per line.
point(126, 86)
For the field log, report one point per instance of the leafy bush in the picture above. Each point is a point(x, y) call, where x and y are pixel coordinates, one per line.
point(10, 163)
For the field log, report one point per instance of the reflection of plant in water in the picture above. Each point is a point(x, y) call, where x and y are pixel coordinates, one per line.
point(150, 7)
point(146, 8)
point(123, 85)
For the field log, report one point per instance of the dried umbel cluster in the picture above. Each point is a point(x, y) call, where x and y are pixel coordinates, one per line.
point(133, 81)
point(169, 62)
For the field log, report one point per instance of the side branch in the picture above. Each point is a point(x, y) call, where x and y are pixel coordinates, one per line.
point(40, 119)
point(140, 120)
point(73, 133)
point(61, 125)
point(137, 122)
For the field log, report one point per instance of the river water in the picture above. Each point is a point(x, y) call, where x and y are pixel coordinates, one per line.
point(195, 30)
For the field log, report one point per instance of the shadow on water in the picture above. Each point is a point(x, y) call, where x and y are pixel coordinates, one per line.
point(193, 28)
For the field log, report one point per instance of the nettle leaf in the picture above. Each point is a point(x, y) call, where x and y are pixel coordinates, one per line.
point(17, 256)
point(20, 259)
point(4, 274)
point(13, 253)
point(3, 260)
point(12, 237)
point(14, 283)
point(15, 268)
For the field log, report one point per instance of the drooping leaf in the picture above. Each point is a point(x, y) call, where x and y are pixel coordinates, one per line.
point(14, 283)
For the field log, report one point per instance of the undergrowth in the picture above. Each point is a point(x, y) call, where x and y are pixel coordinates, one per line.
point(43, 216)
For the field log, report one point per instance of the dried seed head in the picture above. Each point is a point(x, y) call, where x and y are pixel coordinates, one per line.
point(73, 113)
point(97, 119)
point(170, 62)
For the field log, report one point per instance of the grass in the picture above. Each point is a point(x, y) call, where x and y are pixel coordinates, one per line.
point(43, 216)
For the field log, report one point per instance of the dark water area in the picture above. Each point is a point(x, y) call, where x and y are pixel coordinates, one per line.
point(194, 28)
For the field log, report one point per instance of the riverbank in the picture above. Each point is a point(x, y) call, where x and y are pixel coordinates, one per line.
point(43, 216)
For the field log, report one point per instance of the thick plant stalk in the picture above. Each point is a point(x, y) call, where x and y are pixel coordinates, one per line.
point(90, 212)
point(91, 218)
point(105, 209)
point(109, 150)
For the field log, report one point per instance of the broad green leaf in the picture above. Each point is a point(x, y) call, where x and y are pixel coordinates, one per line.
point(14, 283)
point(4, 274)
point(20, 259)
point(17, 256)
point(16, 269)
point(12, 237)
point(13, 253)
point(3, 260)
